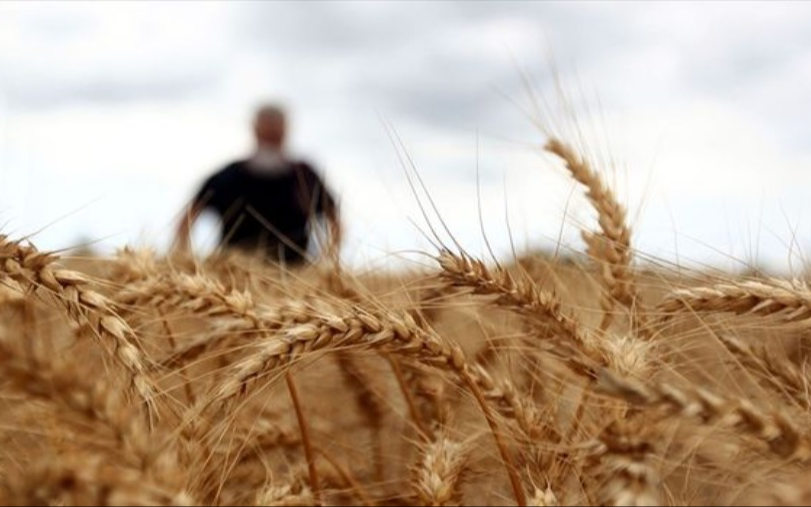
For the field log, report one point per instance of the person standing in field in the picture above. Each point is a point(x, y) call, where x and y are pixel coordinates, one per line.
point(268, 203)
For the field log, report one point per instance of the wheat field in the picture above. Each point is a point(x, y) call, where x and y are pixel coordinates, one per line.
point(595, 380)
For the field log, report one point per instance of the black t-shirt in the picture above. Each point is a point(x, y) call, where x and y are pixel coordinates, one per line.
point(269, 212)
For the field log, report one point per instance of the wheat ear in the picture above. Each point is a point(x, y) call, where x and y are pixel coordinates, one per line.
point(362, 329)
point(786, 301)
point(438, 474)
point(33, 269)
point(292, 494)
point(773, 428)
point(542, 308)
point(780, 374)
point(86, 481)
point(628, 477)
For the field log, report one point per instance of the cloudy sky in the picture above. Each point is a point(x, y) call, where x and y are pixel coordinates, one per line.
point(112, 113)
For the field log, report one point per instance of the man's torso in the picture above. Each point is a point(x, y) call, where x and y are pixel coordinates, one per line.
point(263, 210)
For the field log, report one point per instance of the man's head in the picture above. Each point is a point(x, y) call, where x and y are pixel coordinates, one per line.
point(269, 126)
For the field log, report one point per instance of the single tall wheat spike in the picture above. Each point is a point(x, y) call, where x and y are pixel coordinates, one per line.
point(612, 245)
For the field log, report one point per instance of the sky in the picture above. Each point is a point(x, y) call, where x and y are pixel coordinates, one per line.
point(113, 113)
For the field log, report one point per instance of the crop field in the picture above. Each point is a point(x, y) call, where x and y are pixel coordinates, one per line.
point(590, 379)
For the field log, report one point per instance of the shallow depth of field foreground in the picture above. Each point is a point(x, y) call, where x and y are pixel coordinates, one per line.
point(600, 380)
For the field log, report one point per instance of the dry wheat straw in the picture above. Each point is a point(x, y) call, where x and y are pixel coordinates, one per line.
point(369, 402)
point(304, 429)
point(348, 479)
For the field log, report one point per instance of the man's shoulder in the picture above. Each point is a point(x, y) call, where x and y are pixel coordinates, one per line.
point(303, 166)
point(228, 172)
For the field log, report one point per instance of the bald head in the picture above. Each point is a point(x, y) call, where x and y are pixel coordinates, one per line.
point(269, 126)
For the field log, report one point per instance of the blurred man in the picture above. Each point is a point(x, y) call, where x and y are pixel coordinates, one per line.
point(268, 203)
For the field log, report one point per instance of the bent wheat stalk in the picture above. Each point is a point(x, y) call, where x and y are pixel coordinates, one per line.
point(304, 428)
point(318, 331)
point(542, 308)
point(34, 270)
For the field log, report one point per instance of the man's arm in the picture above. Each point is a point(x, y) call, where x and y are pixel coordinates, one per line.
point(182, 242)
point(335, 231)
point(206, 197)
point(320, 202)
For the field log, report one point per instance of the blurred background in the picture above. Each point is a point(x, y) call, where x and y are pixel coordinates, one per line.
point(113, 113)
